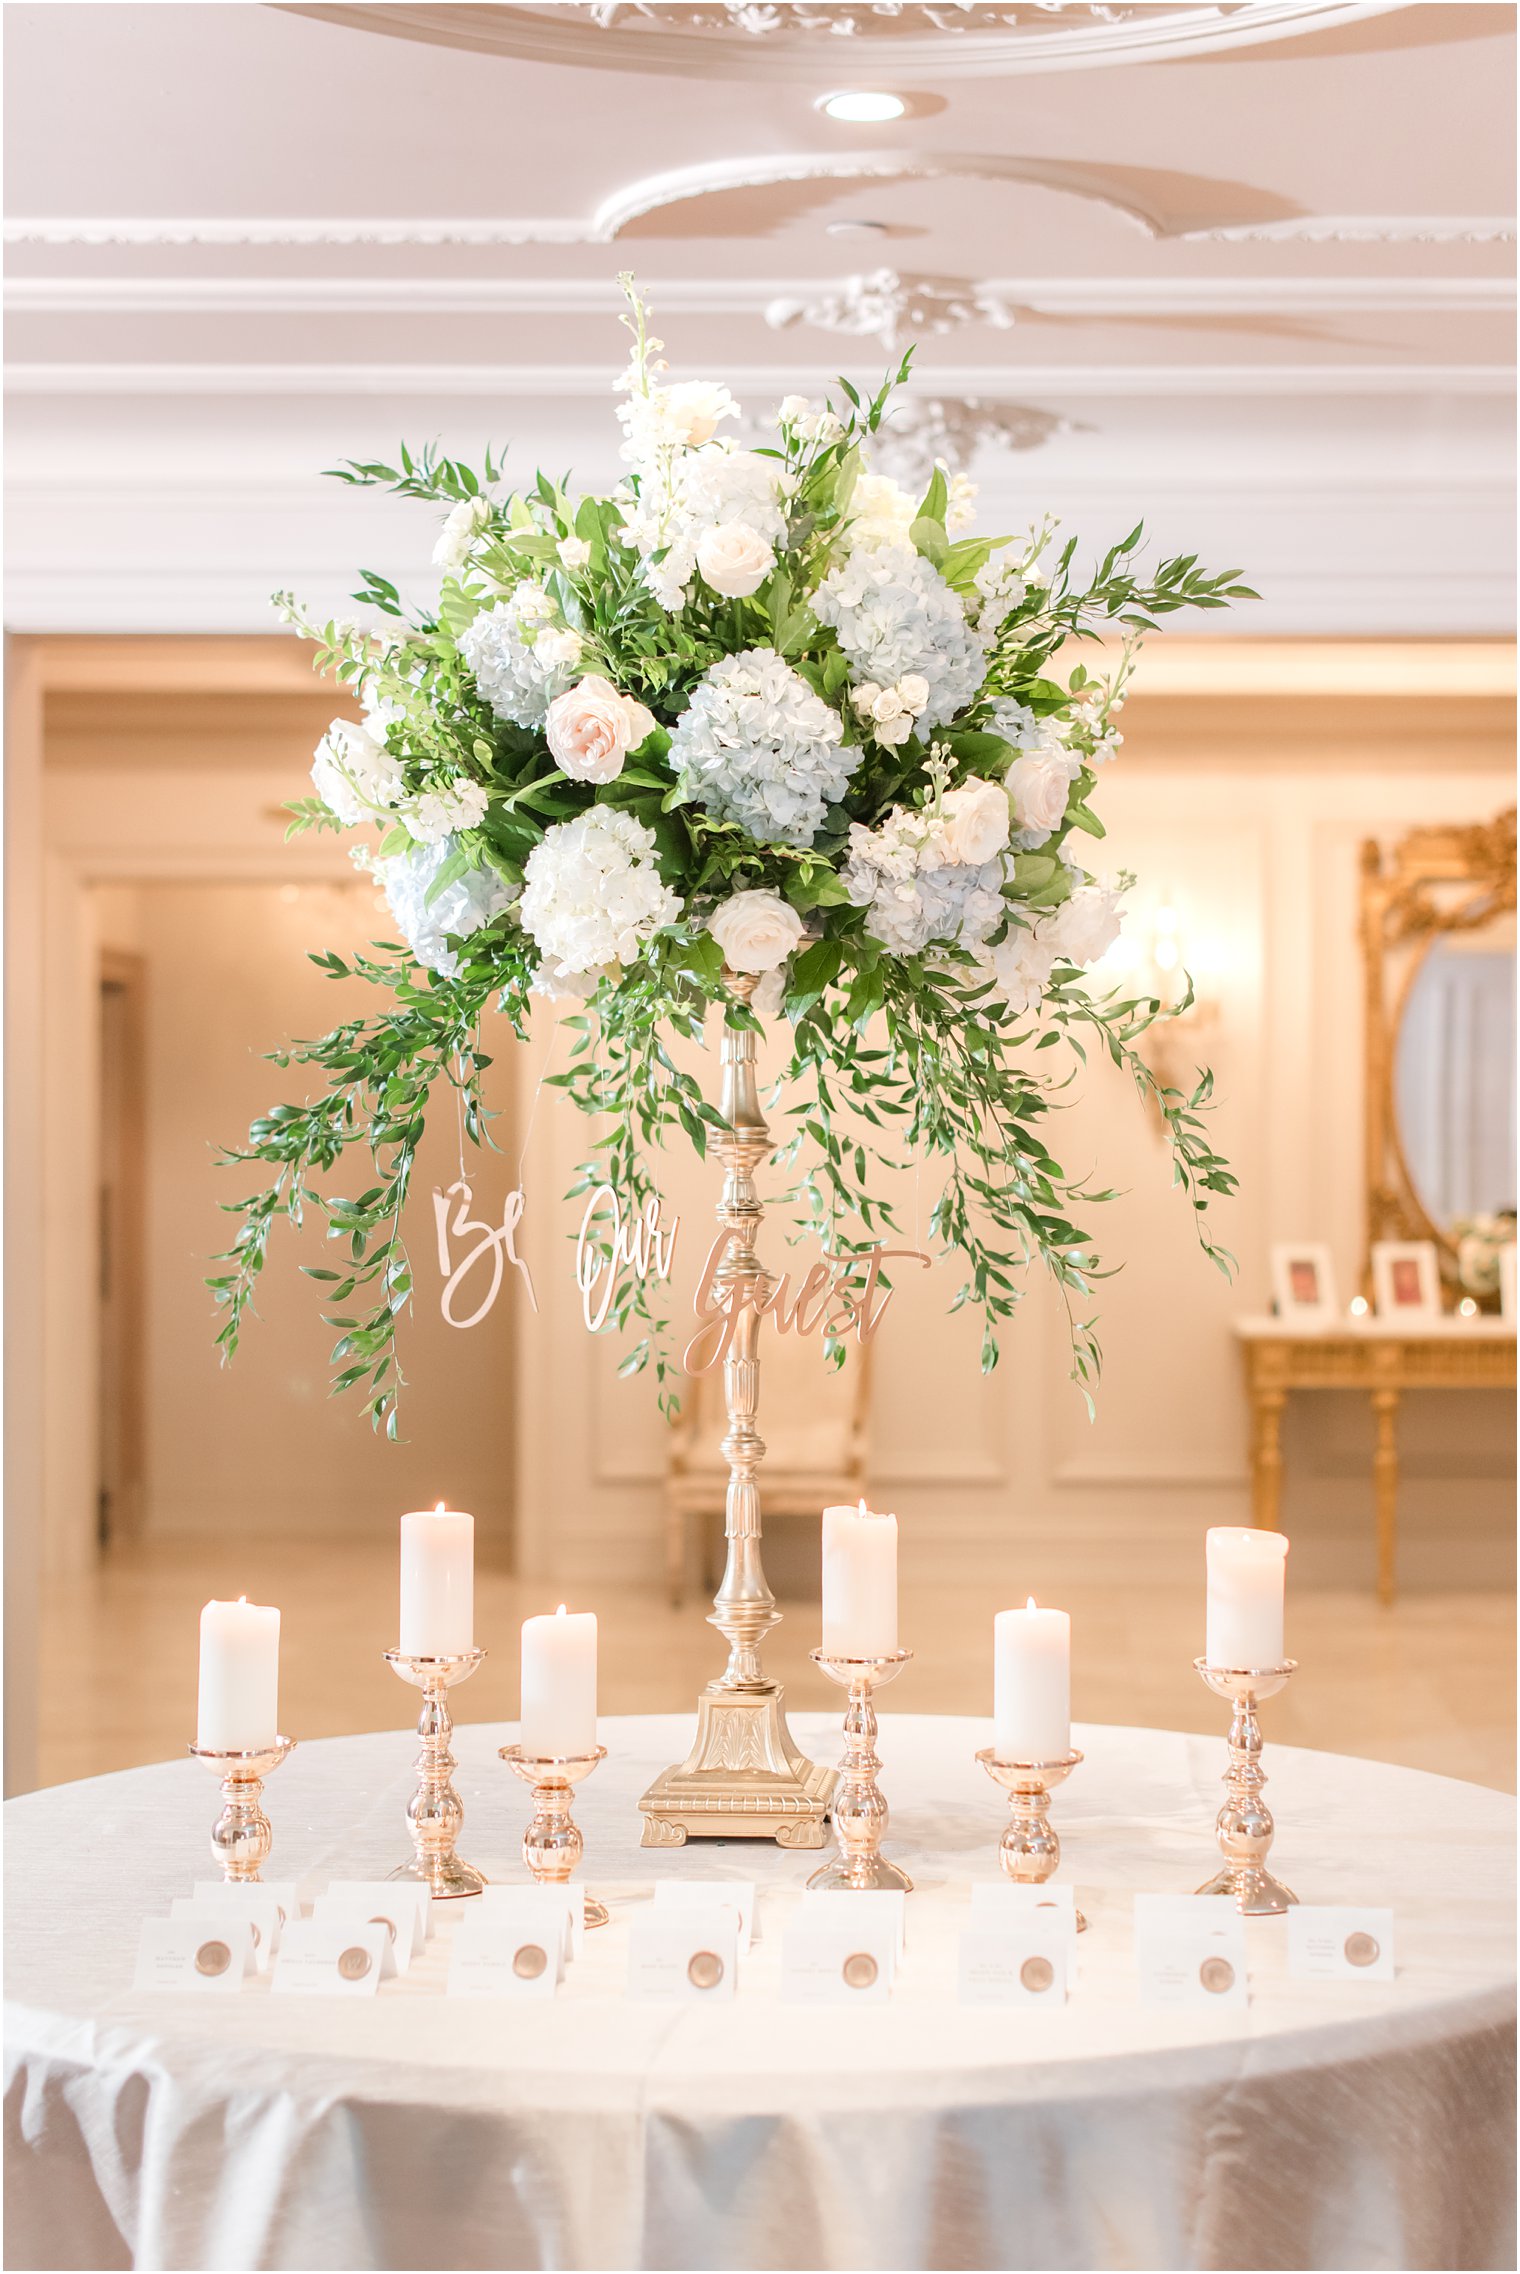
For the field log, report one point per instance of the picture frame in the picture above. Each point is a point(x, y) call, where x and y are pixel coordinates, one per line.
point(1507, 1283)
point(1303, 1283)
point(1406, 1279)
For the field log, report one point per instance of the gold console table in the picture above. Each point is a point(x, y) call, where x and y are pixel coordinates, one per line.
point(1381, 1358)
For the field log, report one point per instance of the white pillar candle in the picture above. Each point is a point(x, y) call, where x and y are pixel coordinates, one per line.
point(1244, 1624)
point(437, 1583)
point(859, 1583)
point(239, 1705)
point(559, 1685)
point(1031, 1684)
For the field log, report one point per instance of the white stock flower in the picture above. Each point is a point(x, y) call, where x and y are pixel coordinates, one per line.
point(592, 893)
point(974, 822)
point(702, 491)
point(960, 505)
point(797, 414)
point(591, 728)
point(354, 774)
point(461, 908)
point(880, 512)
point(574, 553)
point(734, 559)
point(757, 747)
point(672, 418)
point(436, 813)
point(1085, 927)
point(757, 931)
point(520, 655)
point(459, 532)
point(895, 618)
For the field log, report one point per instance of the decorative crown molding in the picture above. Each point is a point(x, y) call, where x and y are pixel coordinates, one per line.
point(927, 430)
point(883, 305)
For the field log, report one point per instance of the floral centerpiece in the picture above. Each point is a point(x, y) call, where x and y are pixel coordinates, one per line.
point(761, 731)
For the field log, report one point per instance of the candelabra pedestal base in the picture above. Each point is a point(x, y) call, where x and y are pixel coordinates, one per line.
point(435, 1811)
point(552, 1844)
point(860, 1808)
point(1244, 1828)
point(1030, 1849)
point(241, 1836)
point(743, 1779)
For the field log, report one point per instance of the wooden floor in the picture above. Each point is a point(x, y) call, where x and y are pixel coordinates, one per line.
point(1429, 1682)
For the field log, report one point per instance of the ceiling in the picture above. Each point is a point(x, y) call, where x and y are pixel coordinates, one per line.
point(1246, 270)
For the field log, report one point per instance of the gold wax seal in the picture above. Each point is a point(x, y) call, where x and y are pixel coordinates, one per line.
point(1217, 1974)
point(212, 1958)
point(354, 1963)
point(388, 1924)
point(529, 1962)
point(1037, 1973)
point(705, 1971)
point(859, 1970)
point(1362, 1950)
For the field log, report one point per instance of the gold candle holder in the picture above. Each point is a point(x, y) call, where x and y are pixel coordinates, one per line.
point(242, 1835)
point(1030, 1849)
point(859, 1808)
point(435, 1810)
point(552, 1844)
point(1244, 1826)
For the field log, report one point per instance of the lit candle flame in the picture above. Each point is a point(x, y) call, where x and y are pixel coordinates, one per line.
point(242, 1598)
point(863, 1508)
point(559, 1614)
point(1031, 1604)
point(438, 1509)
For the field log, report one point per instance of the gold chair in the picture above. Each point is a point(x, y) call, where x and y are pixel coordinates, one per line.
point(812, 1418)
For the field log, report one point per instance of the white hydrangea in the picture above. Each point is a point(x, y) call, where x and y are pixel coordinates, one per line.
point(462, 907)
point(354, 774)
point(459, 532)
point(593, 894)
point(757, 747)
point(437, 813)
point(904, 873)
point(521, 655)
point(1001, 587)
point(894, 614)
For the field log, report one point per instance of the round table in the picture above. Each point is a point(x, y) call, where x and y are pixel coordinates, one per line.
point(1330, 2125)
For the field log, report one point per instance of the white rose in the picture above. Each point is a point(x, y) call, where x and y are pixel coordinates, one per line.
point(974, 822)
point(756, 930)
point(735, 559)
point(865, 698)
point(555, 650)
point(892, 732)
point(888, 706)
point(770, 992)
point(695, 407)
point(459, 531)
point(591, 728)
point(1086, 926)
point(914, 691)
point(792, 409)
point(574, 552)
point(1039, 783)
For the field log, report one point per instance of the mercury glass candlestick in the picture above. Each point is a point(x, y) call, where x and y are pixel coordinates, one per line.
point(1244, 1826)
point(435, 1810)
point(242, 1835)
point(860, 1808)
point(1030, 1849)
point(552, 1844)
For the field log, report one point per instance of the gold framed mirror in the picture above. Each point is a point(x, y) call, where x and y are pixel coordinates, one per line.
point(1438, 937)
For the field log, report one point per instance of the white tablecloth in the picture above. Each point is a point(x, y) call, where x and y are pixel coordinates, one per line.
point(1358, 2125)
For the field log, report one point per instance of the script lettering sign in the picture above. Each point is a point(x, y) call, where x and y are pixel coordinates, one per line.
point(641, 1245)
point(840, 1294)
point(495, 1242)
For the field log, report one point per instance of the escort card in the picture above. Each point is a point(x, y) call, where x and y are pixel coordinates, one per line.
point(1015, 1963)
point(232, 1894)
point(260, 1910)
point(841, 1954)
point(502, 1954)
point(1334, 1942)
point(565, 1904)
point(200, 1952)
point(993, 1899)
point(736, 1895)
point(879, 1903)
point(683, 1960)
point(1190, 1950)
point(350, 1916)
point(325, 1958)
point(388, 1899)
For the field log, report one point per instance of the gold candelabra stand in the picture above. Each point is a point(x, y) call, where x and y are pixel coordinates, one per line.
point(744, 1777)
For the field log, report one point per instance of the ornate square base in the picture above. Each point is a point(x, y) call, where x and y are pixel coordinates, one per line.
point(743, 1779)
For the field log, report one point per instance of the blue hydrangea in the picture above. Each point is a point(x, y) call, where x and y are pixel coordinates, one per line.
point(757, 747)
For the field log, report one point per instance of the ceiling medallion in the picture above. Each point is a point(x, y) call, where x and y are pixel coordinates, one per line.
point(925, 430)
point(783, 40)
point(885, 306)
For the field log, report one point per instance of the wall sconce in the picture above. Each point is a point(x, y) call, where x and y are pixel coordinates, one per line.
point(1156, 954)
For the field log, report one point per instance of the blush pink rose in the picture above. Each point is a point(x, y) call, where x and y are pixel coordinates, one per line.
point(591, 728)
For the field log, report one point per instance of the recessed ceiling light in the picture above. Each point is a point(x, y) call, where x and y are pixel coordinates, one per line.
point(856, 228)
point(862, 107)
